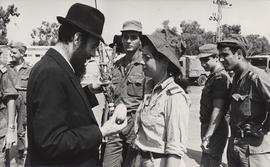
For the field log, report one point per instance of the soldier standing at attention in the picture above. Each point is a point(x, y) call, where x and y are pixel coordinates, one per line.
point(20, 71)
point(213, 107)
point(128, 79)
point(249, 144)
point(8, 94)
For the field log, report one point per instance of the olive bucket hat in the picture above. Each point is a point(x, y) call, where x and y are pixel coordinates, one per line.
point(166, 47)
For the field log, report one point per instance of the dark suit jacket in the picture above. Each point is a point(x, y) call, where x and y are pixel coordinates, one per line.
point(62, 129)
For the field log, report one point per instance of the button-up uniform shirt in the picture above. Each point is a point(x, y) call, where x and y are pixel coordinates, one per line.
point(129, 82)
point(217, 86)
point(161, 122)
point(251, 103)
point(20, 77)
point(6, 89)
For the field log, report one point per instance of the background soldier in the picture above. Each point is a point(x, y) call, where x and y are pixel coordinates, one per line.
point(213, 107)
point(20, 71)
point(128, 78)
point(249, 144)
point(8, 94)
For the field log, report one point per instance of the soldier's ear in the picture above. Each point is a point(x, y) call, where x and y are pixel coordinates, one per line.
point(240, 54)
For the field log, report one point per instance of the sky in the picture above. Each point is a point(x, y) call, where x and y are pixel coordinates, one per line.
point(252, 15)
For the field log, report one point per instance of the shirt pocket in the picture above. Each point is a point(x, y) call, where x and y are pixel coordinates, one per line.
point(116, 80)
point(24, 81)
point(242, 103)
point(135, 86)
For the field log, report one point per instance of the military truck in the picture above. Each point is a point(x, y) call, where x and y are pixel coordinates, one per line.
point(261, 61)
point(192, 70)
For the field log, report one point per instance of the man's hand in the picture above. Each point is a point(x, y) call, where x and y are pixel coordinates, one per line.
point(205, 145)
point(120, 113)
point(10, 139)
point(112, 125)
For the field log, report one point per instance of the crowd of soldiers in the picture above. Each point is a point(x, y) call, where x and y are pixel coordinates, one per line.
point(244, 99)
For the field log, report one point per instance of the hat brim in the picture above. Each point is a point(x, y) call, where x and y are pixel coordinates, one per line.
point(202, 55)
point(131, 30)
point(63, 20)
point(164, 50)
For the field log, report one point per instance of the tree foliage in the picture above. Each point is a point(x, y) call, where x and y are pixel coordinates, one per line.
point(258, 44)
point(173, 38)
point(195, 36)
point(4, 20)
point(45, 35)
point(230, 29)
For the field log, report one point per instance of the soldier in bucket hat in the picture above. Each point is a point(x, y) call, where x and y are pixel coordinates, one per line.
point(162, 119)
point(129, 80)
point(62, 129)
point(213, 107)
point(250, 106)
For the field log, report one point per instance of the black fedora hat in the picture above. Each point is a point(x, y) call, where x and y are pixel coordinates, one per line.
point(85, 17)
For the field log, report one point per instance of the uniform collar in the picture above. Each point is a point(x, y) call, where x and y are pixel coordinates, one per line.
point(163, 84)
point(216, 71)
point(245, 71)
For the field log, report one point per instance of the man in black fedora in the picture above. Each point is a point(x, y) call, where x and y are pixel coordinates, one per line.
point(62, 129)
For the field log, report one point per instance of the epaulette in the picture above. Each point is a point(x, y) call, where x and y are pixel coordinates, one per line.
point(218, 77)
point(173, 90)
point(3, 69)
point(252, 75)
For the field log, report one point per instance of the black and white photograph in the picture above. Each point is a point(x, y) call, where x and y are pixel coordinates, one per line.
point(134, 83)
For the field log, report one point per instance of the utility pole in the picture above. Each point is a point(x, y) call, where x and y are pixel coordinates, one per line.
point(96, 4)
point(218, 17)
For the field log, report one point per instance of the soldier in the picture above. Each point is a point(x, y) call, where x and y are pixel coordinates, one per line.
point(20, 71)
point(249, 144)
point(8, 94)
point(128, 79)
point(213, 107)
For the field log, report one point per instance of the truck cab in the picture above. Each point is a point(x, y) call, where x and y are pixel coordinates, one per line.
point(260, 61)
point(192, 69)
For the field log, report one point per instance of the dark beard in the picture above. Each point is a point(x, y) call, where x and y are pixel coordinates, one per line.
point(77, 61)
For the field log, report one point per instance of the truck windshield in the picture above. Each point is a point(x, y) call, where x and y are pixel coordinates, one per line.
point(259, 62)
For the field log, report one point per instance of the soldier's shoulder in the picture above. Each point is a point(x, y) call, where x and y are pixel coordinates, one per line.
point(119, 58)
point(222, 75)
point(3, 68)
point(174, 89)
point(28, 65)
point(256, 73)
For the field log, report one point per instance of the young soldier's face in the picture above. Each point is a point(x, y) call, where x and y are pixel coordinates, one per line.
point(208, 63)
point(228, 58)
point(131, 41)
point(152, 66)
point(15, 55)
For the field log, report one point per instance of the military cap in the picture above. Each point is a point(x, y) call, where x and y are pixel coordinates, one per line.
point(132, 25)
point(19, 45)
point(207, 50)
point(235, 40)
